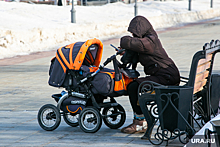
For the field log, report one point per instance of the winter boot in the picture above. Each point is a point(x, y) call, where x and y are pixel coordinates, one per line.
point(138, 126)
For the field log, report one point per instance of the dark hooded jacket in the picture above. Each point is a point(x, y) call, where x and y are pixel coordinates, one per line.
point(151, 53)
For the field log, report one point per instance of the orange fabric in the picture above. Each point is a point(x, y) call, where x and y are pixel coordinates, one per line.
point(74, 111)
point(126, 81)
point(77, 63)
point(80, 57)
point(91, 57)
point(100, 50)
point(82, 52)
point(93, 69)
point(63, 58)
point(69, 65)
point(99, 53)
point(122, 84)
point(61, 63)
point(70, 45)
point(119, 85)
point(111, 74)
point(88, 60)
point(70, 54)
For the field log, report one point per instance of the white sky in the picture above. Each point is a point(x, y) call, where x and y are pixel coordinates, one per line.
point(26, 28)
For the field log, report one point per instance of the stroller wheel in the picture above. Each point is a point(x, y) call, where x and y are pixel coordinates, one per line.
point(114, 117)
point(49, 117)
point(71, 119)
point(90, 120)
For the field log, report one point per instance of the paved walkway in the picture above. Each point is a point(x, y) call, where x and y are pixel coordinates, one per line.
point(24, 90)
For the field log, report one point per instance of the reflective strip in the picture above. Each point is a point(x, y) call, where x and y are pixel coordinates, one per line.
point(74, 111)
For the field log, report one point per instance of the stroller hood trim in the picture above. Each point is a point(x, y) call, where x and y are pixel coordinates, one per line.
point(77, 63)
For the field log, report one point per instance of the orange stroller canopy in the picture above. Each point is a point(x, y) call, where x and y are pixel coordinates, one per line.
point(73, 55)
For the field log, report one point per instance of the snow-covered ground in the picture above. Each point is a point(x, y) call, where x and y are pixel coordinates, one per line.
point(26, 28)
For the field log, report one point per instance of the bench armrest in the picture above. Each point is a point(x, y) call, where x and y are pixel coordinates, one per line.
point(147, 87)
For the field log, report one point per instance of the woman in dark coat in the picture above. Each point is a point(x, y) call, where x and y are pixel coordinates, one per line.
point(158, 67)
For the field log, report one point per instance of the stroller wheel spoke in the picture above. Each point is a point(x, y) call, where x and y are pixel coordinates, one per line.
point(114, 117)
point(90, 120)
point(49, 117)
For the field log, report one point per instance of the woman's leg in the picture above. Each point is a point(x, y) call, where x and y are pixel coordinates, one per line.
point(139, 124)
point(133, 97)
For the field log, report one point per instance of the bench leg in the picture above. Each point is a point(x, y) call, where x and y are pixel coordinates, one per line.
point(148, 116)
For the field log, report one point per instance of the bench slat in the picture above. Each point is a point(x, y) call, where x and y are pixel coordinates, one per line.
point(202, 72)
point(201, 76)
point(203, 67)
point(207, 59)
point(199, 86)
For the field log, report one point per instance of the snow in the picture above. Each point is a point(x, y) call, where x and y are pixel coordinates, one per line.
point(27, 28)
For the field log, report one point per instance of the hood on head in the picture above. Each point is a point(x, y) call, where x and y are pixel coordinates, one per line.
point(140, 26)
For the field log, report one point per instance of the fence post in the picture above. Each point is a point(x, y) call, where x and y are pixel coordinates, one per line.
point(73, 13)
point(189, 5)
point(135, 8)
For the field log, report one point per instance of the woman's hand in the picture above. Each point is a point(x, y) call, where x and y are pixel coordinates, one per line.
point(119, 48)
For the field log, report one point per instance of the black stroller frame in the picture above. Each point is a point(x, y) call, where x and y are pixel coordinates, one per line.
point(89, 119)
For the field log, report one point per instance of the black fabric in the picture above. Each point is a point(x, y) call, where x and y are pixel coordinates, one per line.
point(74, 104)
point(130, 57)
point(91, 53)
point(133, 96)
point(59, 78)
point(164, 76)
point(102, 84)
point(57, 75)
point(76, 49)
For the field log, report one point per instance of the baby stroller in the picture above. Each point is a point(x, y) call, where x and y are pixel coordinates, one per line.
point(76, 68)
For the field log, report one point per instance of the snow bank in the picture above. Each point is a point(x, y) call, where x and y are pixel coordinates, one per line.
point(27, 28)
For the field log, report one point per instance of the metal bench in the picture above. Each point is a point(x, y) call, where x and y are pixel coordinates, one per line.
point(199, 79)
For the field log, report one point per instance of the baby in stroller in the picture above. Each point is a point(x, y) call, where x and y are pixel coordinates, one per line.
point(77, 68)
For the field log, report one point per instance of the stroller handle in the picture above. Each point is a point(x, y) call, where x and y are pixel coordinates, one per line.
point(104, 64)
point(113, 57)
point(114, 47)
point(120, 51)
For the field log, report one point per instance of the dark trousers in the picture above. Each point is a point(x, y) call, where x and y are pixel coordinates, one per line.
point(161, 78)
point(133, 96)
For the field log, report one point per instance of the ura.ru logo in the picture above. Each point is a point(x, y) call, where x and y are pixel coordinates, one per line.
point(202, 140)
